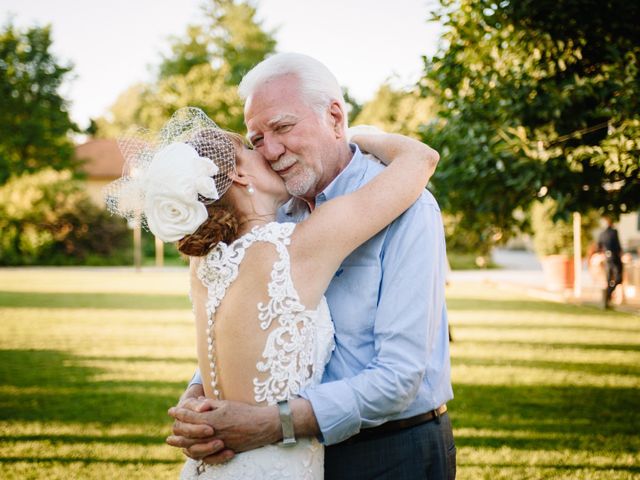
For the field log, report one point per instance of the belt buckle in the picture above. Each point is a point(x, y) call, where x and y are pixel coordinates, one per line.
point(436, 414)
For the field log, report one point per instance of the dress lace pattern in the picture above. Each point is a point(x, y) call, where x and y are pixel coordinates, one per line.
point(294, 356)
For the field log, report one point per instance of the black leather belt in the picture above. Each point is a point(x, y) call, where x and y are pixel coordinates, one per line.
point(396, 425)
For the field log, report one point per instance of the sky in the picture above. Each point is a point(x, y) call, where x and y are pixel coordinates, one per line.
point(115, 44)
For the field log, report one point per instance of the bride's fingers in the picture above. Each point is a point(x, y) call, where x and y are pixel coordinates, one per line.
point(192, 430)
point(201, 450)
point(205, 447)
point(218, 458)
point(185, 442)
point(194, 404)
point(186, 415)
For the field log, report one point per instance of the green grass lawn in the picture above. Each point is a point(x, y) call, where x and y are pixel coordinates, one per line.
point(91, 359)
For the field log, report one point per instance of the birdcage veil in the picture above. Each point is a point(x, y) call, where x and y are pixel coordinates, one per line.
point(168, 177)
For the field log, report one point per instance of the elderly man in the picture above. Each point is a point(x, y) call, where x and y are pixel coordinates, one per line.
point(381, 409)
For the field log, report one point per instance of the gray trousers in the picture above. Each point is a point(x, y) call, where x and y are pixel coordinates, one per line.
point(425, 451)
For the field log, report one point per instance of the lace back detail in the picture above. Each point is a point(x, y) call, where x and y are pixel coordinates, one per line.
point(290, 350)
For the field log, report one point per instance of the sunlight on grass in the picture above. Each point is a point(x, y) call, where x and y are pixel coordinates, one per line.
point(90, 360)
point(101, 280)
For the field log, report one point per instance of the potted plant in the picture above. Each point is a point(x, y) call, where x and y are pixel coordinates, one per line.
point(553, 243)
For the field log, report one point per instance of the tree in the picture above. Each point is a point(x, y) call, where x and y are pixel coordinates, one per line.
point(34, 121)
point(353, 106)
point(203, 70)
point(397, 110)
point(537, 99)
point(237, 36)
point(186, 53)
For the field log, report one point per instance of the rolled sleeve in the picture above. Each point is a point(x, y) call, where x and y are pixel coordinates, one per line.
point(335, 407)
point(408, 315)
point(196, 379)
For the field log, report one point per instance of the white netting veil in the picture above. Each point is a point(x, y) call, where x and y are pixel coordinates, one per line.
point(169, 177)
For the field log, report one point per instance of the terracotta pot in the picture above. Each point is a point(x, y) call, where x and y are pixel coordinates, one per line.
point(558, 272)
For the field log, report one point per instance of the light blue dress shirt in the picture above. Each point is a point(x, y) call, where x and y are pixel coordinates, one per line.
point(387, 303)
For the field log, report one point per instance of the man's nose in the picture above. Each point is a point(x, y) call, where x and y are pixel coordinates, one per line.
point(272, 149)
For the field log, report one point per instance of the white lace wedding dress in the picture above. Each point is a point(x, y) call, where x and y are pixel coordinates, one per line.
point(294, 356)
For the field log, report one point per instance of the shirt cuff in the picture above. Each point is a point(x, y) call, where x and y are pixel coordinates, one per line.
point(196, 379)
point(336, 409)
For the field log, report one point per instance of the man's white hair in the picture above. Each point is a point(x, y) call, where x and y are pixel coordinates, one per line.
point(319, 87)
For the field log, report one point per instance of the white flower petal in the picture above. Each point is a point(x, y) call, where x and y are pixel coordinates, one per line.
point(206, 187)
point(211, 168)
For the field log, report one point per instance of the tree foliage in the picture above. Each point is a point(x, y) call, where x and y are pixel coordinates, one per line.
point(203, 70)
point(397, 110)
point(34, 121)
point(48, 218)
point(537, 98)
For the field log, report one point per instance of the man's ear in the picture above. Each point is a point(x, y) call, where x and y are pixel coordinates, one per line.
point(337, 118)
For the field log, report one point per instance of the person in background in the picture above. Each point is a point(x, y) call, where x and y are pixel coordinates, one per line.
point(609, 245)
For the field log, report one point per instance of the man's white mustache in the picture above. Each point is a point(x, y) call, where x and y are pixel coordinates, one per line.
point(283, 163)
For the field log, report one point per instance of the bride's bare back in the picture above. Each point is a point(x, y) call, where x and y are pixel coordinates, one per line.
point(265, 330)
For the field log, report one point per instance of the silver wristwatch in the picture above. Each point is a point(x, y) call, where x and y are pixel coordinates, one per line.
point(286, 419)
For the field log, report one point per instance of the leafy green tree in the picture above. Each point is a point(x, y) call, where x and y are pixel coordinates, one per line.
point(537, 99)
point(34, 121)
point(186, 53)
point(238, 37)
point(203, 86)
point(203, 70)
point(353, 106)
point(397, 110)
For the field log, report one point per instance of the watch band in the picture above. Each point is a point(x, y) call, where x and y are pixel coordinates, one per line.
point(286, 419)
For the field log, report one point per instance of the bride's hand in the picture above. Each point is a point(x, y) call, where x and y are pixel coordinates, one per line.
point(237, 426)
point(196, 439)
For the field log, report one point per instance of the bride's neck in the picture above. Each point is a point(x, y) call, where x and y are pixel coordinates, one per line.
point(248, 222)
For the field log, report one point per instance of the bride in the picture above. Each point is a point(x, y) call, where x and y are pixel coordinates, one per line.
point(263, 327)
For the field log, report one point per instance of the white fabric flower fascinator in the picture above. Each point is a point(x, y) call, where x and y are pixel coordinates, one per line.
point(169, 178)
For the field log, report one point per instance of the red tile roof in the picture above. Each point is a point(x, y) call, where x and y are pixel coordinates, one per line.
point(102, 158)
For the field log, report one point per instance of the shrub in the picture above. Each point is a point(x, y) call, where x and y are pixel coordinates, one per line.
point(46, 218)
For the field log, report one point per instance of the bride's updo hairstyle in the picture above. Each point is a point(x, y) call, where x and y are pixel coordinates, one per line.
point(222, 222)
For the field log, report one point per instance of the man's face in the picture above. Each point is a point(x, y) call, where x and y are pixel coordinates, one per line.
point(291, 135)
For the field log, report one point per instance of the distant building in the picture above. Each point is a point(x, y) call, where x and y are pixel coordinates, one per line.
point(103, 164)
point(629, 232)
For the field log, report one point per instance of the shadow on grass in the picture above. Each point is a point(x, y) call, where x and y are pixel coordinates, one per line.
point(42, 385)
point(117, 301)
point(575, 417)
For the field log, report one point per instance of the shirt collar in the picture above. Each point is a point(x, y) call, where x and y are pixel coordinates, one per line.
point(348, 180)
